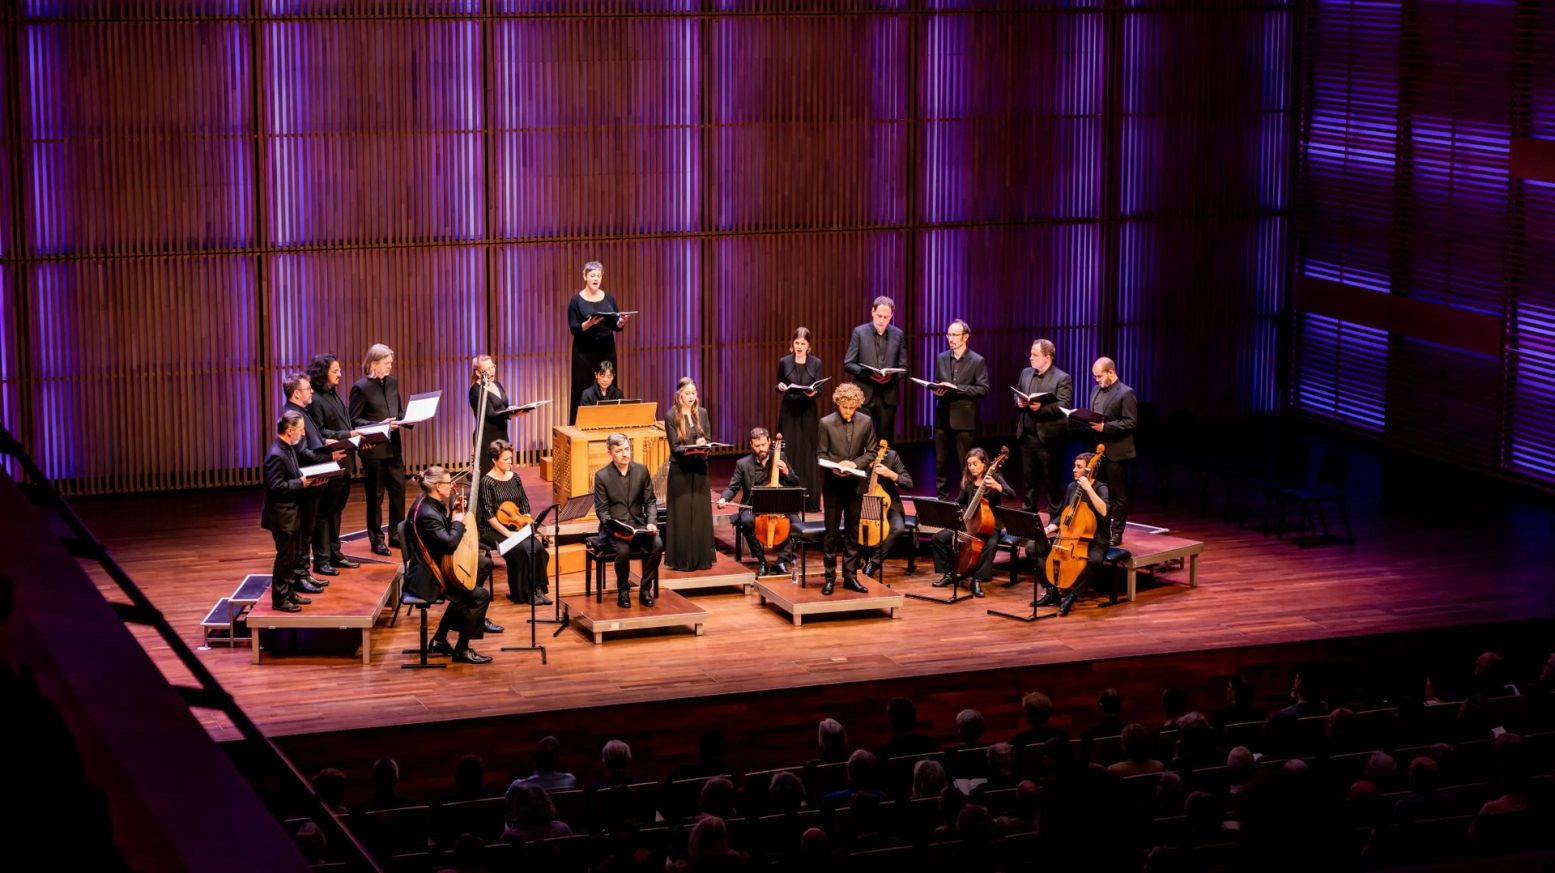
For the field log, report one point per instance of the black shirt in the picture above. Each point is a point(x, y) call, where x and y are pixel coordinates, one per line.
point(1046, 416)
point(627, 498)
point(1116, 403)
point(748, 474)
point(591, 395)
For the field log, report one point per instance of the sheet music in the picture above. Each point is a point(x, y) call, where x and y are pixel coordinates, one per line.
point(326, 470)
point(421, 407)
point(507, 545)
point(927, 384)
point(851, 471)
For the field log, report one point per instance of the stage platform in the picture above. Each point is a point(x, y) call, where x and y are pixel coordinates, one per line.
point(355, 600)
point(799, 601)
point(597, 618)
point(1412, 568)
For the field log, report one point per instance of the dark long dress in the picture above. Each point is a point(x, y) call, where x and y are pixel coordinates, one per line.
point(688, 544)
point(525, 562)
point(589, 349)
point(495, 427)
point(799, 423)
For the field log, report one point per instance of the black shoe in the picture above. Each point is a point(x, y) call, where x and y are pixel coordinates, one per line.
point(828, 587)
point(540, 599)
point(439, 647)
point(344, 563)
point(780, 568)
point(977, 588)
point(494, 628)
point(310, 587)
point(1068, 602)
point(381, 549)
point(470, 656)
point(872, 568)
point(945, 580)
point(285, 606)
point(1048, 598)
point(645, 596)
point(852, 584)
point(624, 599)
point(762, 569)
point(325, 570)
point(299, 600)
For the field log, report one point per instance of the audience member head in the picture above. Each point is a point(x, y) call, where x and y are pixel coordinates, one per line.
point(469, 850)
point(950, 802)
point(1489, 674)
point(311, 842)
point(1138, 745)
point(1196, 737)
point(975, 825)
point(832, 739)
point(1341, 728)
point(1169, 794)
point(1240, 691)
point(970, 726)
point(1001, 759)
point(1364, 804)
point(529, 806)
point(1110, 703)
point(386, 777)
point(863, 770)
point(709, 840)
point(1037, 707)
point(1513, 768)
point(548, 754)
point(1241, 766)
point(928, 778)
point(903, 715)
point(786, 792)
point(330, 785)
point(1423, 775)
point(717, 797)
point(1203, 811)
point(470, 776)
point(617, 757)
point(814, 849)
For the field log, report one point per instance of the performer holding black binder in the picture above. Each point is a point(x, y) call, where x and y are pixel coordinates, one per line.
point(689, 545)
point(799, 378)
point(1042, 393)
point(1119, 410)
point(499, 408)
point(624, 502)
point(333, 420)
point(593, 318)
point(375, 398)
point(877, 358)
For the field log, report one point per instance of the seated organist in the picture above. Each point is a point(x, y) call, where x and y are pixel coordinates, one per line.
point(604, 387)
point(755, 471)
point(626, 506)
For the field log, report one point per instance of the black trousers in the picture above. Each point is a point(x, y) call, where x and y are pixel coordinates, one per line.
point(841, 512)
point(950, 451)
point(945, 555)
point(884, 417)
point(385, 475)
point(894, 533)
point(1115, 474)
point(526, 564)
point(1093, 560)
point(309, 504)
point(1042, 463)
point(333, 497)
point(747, 523)
point(652, 548)
point(465, 615)
point(290, 547)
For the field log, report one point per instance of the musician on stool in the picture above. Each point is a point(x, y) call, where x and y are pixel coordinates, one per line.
point(893, 477)
point(974, 473)
point(755, 471)
point(624, 502)
point(1096, 495)
point(434, 535)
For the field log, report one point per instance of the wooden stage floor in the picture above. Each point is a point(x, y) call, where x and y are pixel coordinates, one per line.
point(1414, 568)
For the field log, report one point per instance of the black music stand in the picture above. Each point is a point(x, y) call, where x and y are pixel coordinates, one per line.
point(777, 500)
point(947, 516)
point(1026, 526)
point(574, 509)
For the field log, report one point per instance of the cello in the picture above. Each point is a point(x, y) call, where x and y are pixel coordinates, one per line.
point(1076, 529)
point(772, 527)
point(462, 566)
point(872, 530)
point(977, 521)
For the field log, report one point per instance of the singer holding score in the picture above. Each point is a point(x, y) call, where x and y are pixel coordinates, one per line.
point(504, 511)
point(483, 373)
point(592, 317)
point(798, 375)
point(689, 542)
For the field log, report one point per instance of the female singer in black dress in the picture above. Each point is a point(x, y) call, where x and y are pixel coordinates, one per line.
point(798, 419)
point(526, 561)
point(688, 543)
point(495, 425)
point(593, 335)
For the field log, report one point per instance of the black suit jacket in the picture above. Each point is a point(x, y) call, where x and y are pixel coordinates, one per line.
point(861, 350)
point(329, 414)
point(373, 400)
point(839, 442)
point(440, 535)
point(1046, 421)
point(626, 498)
point(748, 474)
point(957, 410)
point(283, 489)
point(311, 449)
point(1119, 407)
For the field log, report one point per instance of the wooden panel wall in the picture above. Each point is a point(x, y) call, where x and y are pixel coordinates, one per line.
point(203, 194)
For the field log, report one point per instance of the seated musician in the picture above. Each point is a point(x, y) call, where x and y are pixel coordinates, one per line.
point(604, 387)
point(526, 562)
point(973, 474)
point(435, 534)
point(624, 502)
point(1096, 495)
point(755, 471)
point(893, 478)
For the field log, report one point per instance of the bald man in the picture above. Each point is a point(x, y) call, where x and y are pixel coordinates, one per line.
point(1115, 403)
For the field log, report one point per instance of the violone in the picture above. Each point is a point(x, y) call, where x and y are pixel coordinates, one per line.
point(462, 566)
point(772, 527)
point(977, 520)
point(872, 530)
point(1076, 530)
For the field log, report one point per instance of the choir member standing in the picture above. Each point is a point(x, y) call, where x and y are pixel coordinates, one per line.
point(798, 418)
point(879, 345)
point(329, 414)
point(593, 334)
point(1119, 409)
point(285, 491)
point(955, 410)
point(495, 425)
point(375, 399)
point(689, 541)
point(1043, 431)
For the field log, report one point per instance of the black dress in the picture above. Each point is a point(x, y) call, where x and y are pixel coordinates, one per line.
point(526, 561)
point(688, 544)
point(589, 349)
point(495, 426)
point(798, 422)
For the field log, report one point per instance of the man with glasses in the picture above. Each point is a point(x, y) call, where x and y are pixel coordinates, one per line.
point(435, 534)
point(955, 410)
point(299, 395)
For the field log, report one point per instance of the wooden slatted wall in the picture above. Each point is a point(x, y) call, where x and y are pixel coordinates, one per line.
point(202, 194)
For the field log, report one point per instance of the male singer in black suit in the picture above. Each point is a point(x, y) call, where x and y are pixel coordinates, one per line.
point(375, 398)
point(847, 438)
point(332, 419)
point(881, 345)
point(623, 499)
point(299, 396)
point(285, 492)
point(1115, 403)
point(893, 478)
point(436, 535)
point(755, 471)
point(955, 412)
point(1042, 430)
